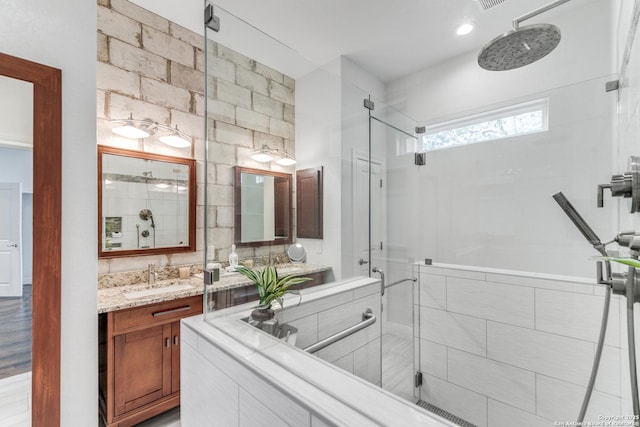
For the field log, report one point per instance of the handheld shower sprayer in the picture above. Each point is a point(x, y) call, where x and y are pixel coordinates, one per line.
point(580, 223)
point(618, 283)
point(593, 239)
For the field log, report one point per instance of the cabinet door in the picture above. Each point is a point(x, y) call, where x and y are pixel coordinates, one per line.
point(175, 357)
point(142, 367)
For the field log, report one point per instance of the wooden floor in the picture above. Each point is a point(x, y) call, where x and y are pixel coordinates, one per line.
point(15, 334)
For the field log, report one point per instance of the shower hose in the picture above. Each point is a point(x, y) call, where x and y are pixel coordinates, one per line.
point(631, 346)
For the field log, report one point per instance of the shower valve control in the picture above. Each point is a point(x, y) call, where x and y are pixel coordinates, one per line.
point(626, 185)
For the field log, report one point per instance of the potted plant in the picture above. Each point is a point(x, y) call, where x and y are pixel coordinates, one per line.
point(270, 288)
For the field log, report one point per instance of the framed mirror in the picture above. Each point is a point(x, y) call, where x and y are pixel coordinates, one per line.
point(262, 207)
point(146, 203)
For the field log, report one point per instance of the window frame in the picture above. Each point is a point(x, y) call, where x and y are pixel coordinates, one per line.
point(540, 104)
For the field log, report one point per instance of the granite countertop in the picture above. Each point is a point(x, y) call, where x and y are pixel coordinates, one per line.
point(121, 297)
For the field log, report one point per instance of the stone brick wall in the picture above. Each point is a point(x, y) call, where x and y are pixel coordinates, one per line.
point(154, 68)
point(250, 105)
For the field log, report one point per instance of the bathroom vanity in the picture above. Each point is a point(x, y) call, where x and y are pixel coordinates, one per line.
point(141, 349)
point(140, 341)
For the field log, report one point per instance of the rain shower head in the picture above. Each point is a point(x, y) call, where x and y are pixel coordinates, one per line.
point(579, 222)
point(522, 45)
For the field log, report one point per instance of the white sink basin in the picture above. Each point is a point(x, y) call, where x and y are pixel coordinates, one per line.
point(156, 291)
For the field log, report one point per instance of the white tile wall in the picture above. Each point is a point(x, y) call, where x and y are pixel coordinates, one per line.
point(502, 303)
point(575, 315)
point(523, 343)
point(554, 355)
point(560, 400)
point(462, 402)
point(433, 359)
point(210, 392)
point(500, 381)
point(501, 415)
point(433, 291)
point(253, 413)
point(338, 318)
point(454, 330)
point(366, 361)
point(319, 318)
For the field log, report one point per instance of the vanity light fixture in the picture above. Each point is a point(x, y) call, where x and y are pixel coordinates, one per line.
point(263, 154)
point(286, 160)
point(136, 129)
point(176, 139)
point(132, 129)
point(266, 154)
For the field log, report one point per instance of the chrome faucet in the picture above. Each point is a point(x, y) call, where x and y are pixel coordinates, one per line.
point(152, 274)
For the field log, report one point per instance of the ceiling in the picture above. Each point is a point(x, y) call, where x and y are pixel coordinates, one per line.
point(388, 38)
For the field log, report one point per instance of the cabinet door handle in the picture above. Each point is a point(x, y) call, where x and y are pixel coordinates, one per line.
point(167, 343)
point(175, 340)
point(173, 310)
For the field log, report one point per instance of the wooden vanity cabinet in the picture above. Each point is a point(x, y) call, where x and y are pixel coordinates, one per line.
point(140, 360)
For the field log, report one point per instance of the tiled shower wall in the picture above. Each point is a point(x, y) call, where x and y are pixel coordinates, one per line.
point(501, 348)
point(359, 353)
point(154, 68)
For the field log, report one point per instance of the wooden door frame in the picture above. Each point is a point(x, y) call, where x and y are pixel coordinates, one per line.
point(47, 254)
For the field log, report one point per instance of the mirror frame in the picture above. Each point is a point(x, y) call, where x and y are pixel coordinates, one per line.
point(47, 232)
point(191, 163)
point(238, 170)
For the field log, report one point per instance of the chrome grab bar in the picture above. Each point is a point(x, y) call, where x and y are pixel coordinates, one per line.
point(368, 319)
point(411, 279)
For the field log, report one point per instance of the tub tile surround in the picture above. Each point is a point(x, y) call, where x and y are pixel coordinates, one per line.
point(517, 347)
point(247, 372)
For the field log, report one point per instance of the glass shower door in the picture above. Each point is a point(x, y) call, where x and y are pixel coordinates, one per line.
point(392, 144)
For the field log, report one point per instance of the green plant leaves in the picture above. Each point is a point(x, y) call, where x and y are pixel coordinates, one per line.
point(270, 287)
point(622, 260)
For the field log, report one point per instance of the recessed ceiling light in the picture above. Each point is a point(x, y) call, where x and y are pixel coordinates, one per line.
point(464, 29)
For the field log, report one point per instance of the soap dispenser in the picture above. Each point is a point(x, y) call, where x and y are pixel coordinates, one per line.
point(233, 258)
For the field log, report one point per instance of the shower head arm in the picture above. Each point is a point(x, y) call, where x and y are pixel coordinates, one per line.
point(536, 12)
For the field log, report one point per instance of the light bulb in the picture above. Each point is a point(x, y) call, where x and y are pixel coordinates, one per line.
point(129, 130)
point(286, 161)
point(175, 140)
point(464, 29)
point(262, 157)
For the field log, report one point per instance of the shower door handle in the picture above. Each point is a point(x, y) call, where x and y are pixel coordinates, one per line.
point(362, 261)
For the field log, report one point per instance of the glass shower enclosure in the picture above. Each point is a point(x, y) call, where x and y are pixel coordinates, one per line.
point(318, 117)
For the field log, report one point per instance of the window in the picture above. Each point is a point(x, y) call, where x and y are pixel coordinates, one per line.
point(520, 119)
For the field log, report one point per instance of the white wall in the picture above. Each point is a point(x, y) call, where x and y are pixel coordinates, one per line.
point(357, 85)
point(318, 143)
point(62, 34)
point(490, 204)
point(17, 166)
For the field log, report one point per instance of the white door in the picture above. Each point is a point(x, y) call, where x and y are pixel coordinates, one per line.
point(10, 240)
point(367, 253)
